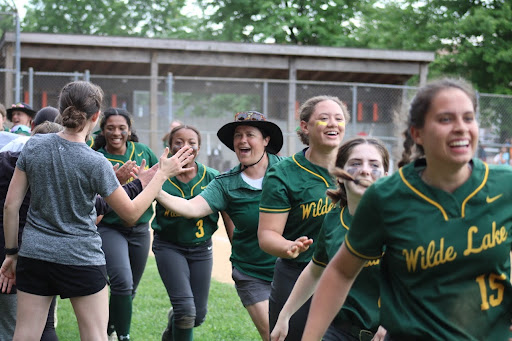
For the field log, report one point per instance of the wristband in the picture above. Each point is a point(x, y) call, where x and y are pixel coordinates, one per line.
point(10, 252)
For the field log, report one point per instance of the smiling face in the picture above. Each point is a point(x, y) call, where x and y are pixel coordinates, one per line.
point(449, 135)
point(185, 137)
point(364, 163)
point(326, 126)
point(116, 132)
point(20, 117)
point(249, 144)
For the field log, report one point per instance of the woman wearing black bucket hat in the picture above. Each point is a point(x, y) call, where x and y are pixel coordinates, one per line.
point(21, 115)
point(256, 142)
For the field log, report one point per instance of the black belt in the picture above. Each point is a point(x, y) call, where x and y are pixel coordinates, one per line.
point(356, 331)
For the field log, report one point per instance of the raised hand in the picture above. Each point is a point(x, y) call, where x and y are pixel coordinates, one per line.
point(175, 165)
point(300, 245)
point(124, 173)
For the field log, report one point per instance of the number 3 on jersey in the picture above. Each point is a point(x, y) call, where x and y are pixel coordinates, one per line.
point(494, 299)
point(200, 228)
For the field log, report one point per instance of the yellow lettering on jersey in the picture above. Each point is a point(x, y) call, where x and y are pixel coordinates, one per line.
point(171, 214)
point(489, 240)
point(317, 209)
point(429, 258)
point(372, 263)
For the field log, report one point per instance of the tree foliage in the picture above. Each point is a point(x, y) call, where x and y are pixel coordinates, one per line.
point(146, 18)
point(302, 22)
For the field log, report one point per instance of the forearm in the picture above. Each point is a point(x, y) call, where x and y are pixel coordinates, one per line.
point(302, 290)
point(331, 292)
point(196, 207)
point(274, 243)
point(141, 202)
point(11, 226)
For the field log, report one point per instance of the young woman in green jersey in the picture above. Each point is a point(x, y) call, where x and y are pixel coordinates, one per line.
point(182, 246)
point(237, 192)
point(444, 221)
point(126, 249)
point(360, 162)
point(294, 204)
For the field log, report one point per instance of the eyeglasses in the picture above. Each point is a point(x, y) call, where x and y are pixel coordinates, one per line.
point(249, 116)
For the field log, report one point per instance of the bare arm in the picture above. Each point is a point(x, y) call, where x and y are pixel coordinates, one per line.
point(15, 196)
point(302, 291)
point(331, 292)
point(271, 240)
point(196, 207)
point(131, 210)
point(228, 225)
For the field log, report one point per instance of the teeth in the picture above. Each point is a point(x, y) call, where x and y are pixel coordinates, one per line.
point(459, 143)
point(332, 133)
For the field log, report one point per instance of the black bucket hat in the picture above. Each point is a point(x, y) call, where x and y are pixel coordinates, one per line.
point(21, 106)
point(253, 119)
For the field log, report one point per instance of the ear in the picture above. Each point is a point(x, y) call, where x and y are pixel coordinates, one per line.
point(417, 135)
point(304, 126)
point(266, 140)
point(95, 117)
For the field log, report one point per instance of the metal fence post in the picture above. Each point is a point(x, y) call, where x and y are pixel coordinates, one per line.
point(170, 86)
point(87, 76)
point(354, 110)
point(31, 86)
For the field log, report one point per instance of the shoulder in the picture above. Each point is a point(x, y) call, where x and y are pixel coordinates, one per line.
point(210, 171)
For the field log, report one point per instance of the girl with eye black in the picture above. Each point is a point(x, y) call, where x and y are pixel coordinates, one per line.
point(126, 249)
point(182, 246)
point(360, 162)
point(293, 201)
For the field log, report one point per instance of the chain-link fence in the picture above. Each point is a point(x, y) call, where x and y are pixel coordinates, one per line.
point(208, 103)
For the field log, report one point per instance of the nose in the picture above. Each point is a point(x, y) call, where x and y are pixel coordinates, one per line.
point(365, 169)
point(460, 125)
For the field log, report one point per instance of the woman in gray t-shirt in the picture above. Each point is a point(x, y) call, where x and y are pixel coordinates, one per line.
point(61, 251)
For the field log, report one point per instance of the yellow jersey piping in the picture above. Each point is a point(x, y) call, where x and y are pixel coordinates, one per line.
point(476, 190)
point(307, 170)
point(423, 196)
point(341, 219)
point(204, 174)
point(179, 189)
point(275, 209)
point(360, 255)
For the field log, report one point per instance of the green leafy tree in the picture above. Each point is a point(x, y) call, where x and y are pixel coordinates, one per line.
point(303, 22)
point(7, 16)
point(147, 18)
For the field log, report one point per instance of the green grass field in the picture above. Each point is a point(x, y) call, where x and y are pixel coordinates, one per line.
point(227, 319)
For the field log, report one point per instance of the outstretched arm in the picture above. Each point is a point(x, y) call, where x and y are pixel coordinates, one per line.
point(302, 291)
point(271, 240)
point(196, 207)
point(331, 292)
point(131, 210)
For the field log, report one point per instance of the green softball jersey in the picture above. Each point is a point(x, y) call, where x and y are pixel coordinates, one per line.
point(174, 228)
point(137, 152)
point(297, 187)
point(446, 269)
point(361, 306)
point(232, 194)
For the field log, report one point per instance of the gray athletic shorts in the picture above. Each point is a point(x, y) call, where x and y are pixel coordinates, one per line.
point(251, 290)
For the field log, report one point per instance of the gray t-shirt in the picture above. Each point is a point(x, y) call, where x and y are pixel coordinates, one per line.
point(64, 178)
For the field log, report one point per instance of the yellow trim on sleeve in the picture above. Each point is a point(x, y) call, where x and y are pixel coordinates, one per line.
point(317, 262)
point(204, 174)
point(274, 209)
point(486, 175)
point(307, 170)
point(423, 196)
point(360, 255)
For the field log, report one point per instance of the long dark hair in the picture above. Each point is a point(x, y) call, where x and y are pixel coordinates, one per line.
point(100, 140)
